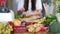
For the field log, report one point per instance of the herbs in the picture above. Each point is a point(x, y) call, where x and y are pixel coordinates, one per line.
point(49, 19)
point(58, 1)
point(17, 16)
point(58, 8)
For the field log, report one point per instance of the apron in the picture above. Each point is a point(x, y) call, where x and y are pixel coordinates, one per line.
point(31, 6)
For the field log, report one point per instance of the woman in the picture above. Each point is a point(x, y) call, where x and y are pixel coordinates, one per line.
point(30, 7)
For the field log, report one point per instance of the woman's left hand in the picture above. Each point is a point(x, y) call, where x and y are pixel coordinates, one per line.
point(28, 13)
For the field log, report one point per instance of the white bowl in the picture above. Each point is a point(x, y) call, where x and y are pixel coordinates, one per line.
point(5, 17)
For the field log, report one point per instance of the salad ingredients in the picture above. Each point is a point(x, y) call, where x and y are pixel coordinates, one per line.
point(17, 22)
point(17, 16)
point(5, 28)
point(11, 24)
point(37, 25)
point(49, 19)
point(42, 20)
point(31, 28)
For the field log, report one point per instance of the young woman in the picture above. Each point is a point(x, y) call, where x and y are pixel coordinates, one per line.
point(30, 7)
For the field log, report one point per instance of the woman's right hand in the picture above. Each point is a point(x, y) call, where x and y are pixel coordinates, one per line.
point(20, 11)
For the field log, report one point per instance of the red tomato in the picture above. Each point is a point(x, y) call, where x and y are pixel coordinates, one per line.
point(11, 23)
point(43, 28)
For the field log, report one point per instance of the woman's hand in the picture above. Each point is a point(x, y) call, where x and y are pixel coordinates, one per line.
point(28, 13)
point(35, 13)
point(20, 11)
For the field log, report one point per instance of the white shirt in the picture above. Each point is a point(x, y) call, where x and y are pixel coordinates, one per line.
point(21, 5)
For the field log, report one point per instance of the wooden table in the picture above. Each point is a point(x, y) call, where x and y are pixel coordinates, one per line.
point(35, 33)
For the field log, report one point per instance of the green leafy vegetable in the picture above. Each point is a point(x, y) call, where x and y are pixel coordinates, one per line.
point(49, 19)
point(58, 8)
point(17, 16)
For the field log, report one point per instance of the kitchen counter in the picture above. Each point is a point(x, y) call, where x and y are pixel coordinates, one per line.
point(35, 33)
point(31, 33)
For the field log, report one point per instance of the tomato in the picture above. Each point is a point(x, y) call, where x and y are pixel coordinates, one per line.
point(11, 23)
